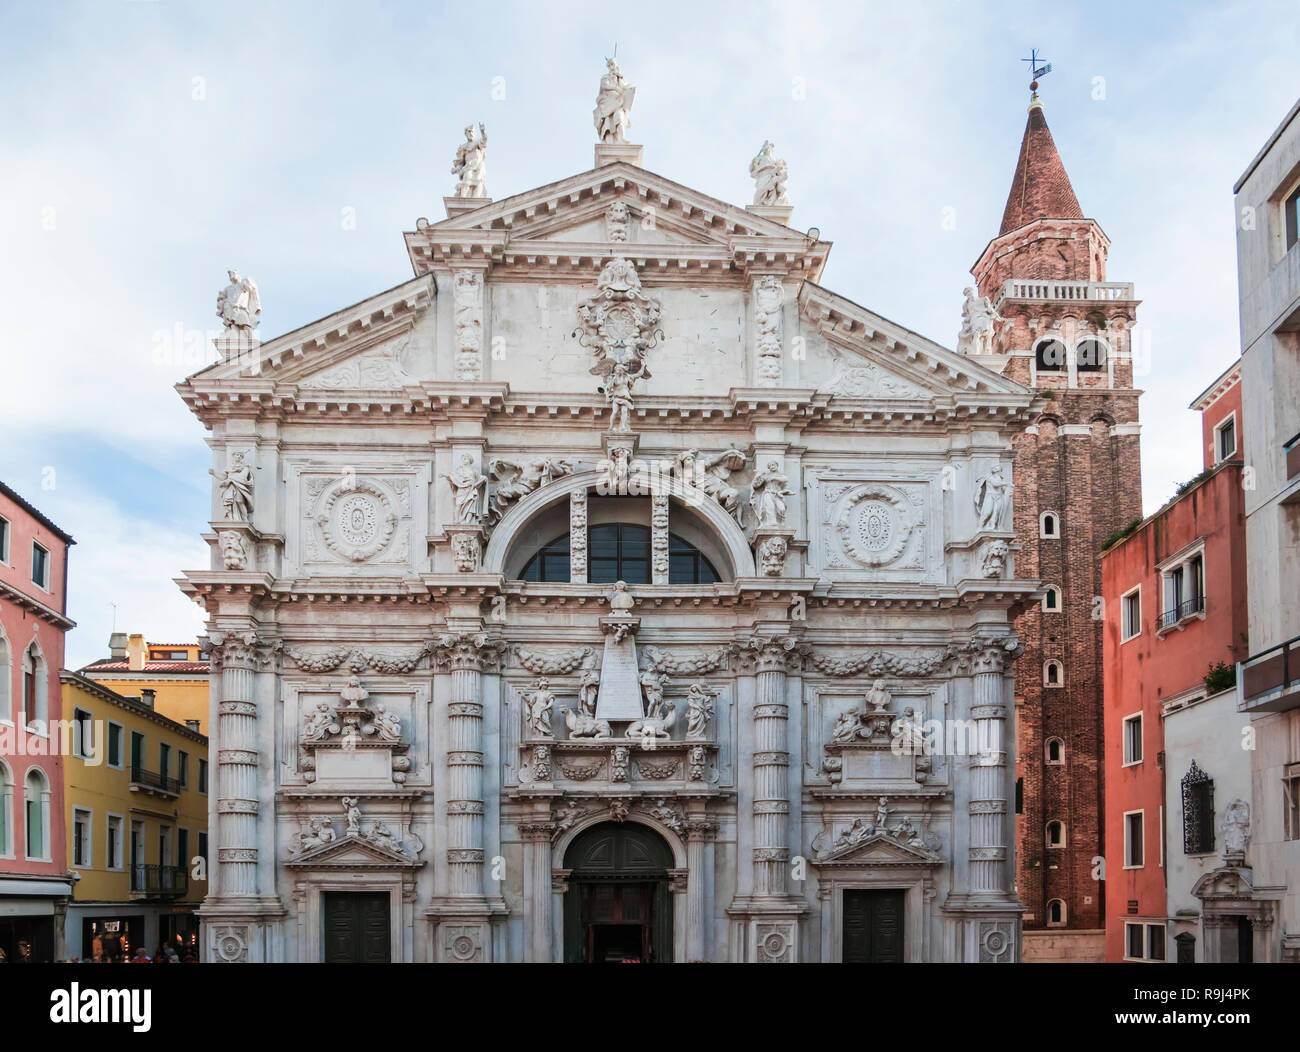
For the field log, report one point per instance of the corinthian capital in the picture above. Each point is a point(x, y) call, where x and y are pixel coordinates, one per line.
point(993, 655)
point(469, 650)
point(769, 653)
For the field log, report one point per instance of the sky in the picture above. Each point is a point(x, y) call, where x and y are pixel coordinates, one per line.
point(146, 146)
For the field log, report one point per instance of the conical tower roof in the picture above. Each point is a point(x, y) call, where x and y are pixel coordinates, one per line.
point(1040, 189)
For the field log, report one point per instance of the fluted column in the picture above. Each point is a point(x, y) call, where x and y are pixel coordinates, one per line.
point(988, 798)
point(699, 831)
point(237, 759)
point(538, 887)
point(771, 771)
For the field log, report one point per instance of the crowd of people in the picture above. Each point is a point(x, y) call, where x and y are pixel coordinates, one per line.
point(165, 954)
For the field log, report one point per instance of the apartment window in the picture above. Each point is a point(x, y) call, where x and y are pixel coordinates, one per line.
point(1291, 802)
point(113, 843)
point(1225, 439)
point(183, 768)
point(4, 539)
point(114, 758)
point(1184, 590)
point(1055, 834)
point(137, 752)
point(203, 775)
point(81, 850)
point(1055, 751)
point(1131, 615)
point(40, 566)
point(1052, 600)
point(6, 804)
point(36, 800)
point(1134, 832)
point(1198, 811)
point(1049, 524)
point(183, 848)
point(83, 734)
point(1133, 739)
point(1144, 942)
point(1056, 913)
point(1049, 356)
point(35, 701)
point(164, 759)
point(1291, 213)
point(1053, 674)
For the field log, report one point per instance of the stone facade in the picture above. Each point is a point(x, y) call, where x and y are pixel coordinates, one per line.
point(1078, 479)
point(418, 706)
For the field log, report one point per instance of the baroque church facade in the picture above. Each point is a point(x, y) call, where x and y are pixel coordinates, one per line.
point(610, 590)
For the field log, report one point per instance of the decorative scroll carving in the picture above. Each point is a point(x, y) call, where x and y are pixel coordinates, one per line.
point(864, 379)
point(620, 323)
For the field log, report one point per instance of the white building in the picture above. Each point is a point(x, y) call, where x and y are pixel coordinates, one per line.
point(1267, 204)
point(441, 733)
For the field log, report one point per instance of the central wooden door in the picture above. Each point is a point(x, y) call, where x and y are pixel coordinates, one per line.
point(618, 908)
point(873, 926)
point(357, 927)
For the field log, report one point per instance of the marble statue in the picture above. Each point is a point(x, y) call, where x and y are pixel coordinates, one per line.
point(847, 727)
point(882, 815)
point(699, 710)
point(878, 698)
point(652, 683)
point(469, 488)
point(709, 475)
point(588, 691)
point(769, 173)
point(515, 481)
point(318, 723)
point(352, 814)
point(618, 392)
point(654, 727)
point(908, 735)
point(236, 484)
point(541, 704)
point(620, 599)
point(767, 496)
point(320, 832)
point(978, 317)
point(584, 725)
point(238, 304)
point(613, 104)
point(993, 499)
point(1235, 827)
point(470, 165)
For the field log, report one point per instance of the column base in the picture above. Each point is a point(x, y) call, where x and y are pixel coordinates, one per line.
point(242, 931)
point(463, 929)
point(766, 931)
point(988, 934)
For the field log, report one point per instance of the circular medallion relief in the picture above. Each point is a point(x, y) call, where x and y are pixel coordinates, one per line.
point(874, 524)
point(357, 521)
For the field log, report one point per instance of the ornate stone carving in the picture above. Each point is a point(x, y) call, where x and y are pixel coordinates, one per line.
point(472, 650)
point(466, 551)
point(978, 322)
point(542, 763)
point(771, 555)
point(515, 481)
point(613, 104)
point(1235, 828)
point(541, 705)
point(581, 720)
point(581, 772)
point(697, 760)
point(669, 816)
point(234, 552)
point(659, 538)
point(555, 662)
point(995, 941)
point(231, 944)
point(769, 173)
point(708, 474)
point(654, 727)
point(239, 305)
point(381, 369)
point(993, 561)
point(236, 484)
point(688, 663)
point(657, 772)
point(769, 297)
point(767, 496)
point(357, 520)
point(774, 942)
point(618, 758)
point(874, 523)
point(878, 662)
point(993, 500)
point(358, 660)
point(618, 219)
point(469, 489)
point(470, 165)
point(620, 323)
point(578, 536)
point(699, 710)
point(864, 379)
point(467, 312)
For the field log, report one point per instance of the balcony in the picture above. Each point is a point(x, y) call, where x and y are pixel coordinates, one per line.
point(159, 882)
point(1079, 291)
point(1270, 680)
point(1174, 617)
point(153, 783)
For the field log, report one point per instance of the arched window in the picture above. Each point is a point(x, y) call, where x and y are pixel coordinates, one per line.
point(1055, 751)
point(6, 811)
point(1056, 912)
point(1052, 599)
point(620, 551)
point(1049, 524)
point(35, 701)
point(36, 800)
point(1055, 834)
point(1049, 355)
point(6, 679)
point(1053, 674)
point(1090, 355)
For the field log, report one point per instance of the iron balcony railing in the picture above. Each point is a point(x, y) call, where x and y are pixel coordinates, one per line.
point(159, 880)
point(140, 775)
point(1189, 608)
point(1270, 680)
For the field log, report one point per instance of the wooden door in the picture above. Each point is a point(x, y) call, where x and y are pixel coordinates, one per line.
point(873, 926)
point(357, 927)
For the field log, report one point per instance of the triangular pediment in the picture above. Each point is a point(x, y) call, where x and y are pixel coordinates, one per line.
point(878, 849)
point(352, 851)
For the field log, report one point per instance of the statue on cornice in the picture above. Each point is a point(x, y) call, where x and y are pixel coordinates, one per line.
point(541, 705)
point(767, 496)
point(769, 173)
point(699, 709)
point(468, 488)
point(992, 499)
point(709, 474)
point(238, 304)
point(236, 484)
point(470, 165)
point(978, 317)
point(515, 481)
point(618, 392)
point(613, 104)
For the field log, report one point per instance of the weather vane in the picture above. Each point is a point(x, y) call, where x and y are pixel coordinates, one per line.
point(1036, 70)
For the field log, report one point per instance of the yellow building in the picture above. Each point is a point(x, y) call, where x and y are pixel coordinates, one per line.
point(136, 790)
point(171, 676)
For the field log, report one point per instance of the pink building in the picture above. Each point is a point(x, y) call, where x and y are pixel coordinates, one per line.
point(35, 884)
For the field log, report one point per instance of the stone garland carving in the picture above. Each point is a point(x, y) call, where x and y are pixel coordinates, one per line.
point(467, 312)
point(769, 296)
point(874, 524)
point(771, 556)
point(993, 563)
point(993, 499)
point(709, 474)
point(357, 659)
point(617, 222)
point(578, 535)
point(769, 173)
point(516, 481)
point(878, 662)
point(657, 772)
point(620, 324)
point(555, 663)
point(581, 772)
point(613, 104)
point(681, 664)
point(236, 484)
point(659, 538)
point(767, 496)
point(470, 165)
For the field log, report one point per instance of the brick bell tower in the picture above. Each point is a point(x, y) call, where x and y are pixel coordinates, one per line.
point(1065, 331)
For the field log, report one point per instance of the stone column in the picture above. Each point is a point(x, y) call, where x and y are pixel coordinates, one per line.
point(699, 831)
point(538, 887)
point(237, 757)
point(578, 537)
point(771, 770)
point(988, 799)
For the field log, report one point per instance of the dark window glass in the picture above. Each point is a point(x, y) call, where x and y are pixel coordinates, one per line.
point(1292, 210)
point(114, 745)
point(619, 551)
point(1090, 355)
point(1050, 356)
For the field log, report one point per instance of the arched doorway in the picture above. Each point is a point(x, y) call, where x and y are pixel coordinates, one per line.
point(618, 907)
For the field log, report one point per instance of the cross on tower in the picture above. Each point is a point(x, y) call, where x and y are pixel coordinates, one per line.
point(1036, 71)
